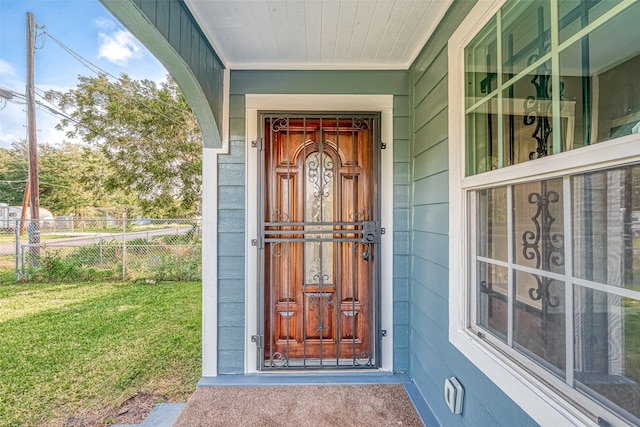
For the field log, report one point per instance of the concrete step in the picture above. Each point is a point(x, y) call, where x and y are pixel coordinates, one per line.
point(162, 415)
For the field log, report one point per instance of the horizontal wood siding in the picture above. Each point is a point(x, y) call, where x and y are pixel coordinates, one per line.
point(320, 82)
point(336, 82)
point(176, 24)
point(432, 357)
point(231, 245)
point(401, 234)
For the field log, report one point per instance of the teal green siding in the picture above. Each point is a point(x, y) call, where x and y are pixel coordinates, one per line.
point(174, 21)
point(231, 245)
point(230, 356)
point(401, 235)
point(432, 357)
point(320, 82)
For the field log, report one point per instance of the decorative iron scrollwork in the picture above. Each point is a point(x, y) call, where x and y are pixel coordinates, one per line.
point(538, 107)
point(279, 248)
point(320, 279)
point(360, 124)
point(320, 173)
point(546, 248)
point(538, 110)
point(361, 215)
point(278, 125)
point(278, 360)
point(321, 304)
point(278, 216)
point(363, 359)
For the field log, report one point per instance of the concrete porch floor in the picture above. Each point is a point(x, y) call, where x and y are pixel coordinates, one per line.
point(346, 399)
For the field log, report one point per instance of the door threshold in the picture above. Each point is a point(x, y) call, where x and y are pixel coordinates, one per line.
point(342, 377)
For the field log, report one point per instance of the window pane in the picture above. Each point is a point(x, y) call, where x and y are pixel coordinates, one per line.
point(577, 14)
point(492, 223)
point(482, 138)
point(538, 225)
point(526, 35)
point(606, 226)
point(492, 298)
point(607, 347)
point(599, 75)
point(481, 64)
point(539, 319)
point(527, 117)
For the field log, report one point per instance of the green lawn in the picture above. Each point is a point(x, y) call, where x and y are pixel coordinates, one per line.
point(632, 338)
point(76, 354)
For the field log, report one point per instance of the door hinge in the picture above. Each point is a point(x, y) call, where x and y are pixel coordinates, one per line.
point(259, 340)
point(383, 333)
point(383, 230)
point(259, 144)
point(257, 243)
point(383, 145)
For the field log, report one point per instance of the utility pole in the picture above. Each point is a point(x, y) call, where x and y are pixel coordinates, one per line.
point(31, 119)
point(34, 237)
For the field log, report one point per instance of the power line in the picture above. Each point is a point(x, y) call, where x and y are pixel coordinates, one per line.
point(7, 95)
point(55, 110)
point(52, 109)
point(99, 71)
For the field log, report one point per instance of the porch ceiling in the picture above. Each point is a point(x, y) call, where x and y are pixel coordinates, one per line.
point(318, 34)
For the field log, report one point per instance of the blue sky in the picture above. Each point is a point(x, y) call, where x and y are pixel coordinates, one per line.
point(82, 25)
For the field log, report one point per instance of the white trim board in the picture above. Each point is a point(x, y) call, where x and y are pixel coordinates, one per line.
point(317, 103)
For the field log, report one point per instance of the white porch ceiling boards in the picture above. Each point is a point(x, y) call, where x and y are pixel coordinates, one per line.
point(318, 34)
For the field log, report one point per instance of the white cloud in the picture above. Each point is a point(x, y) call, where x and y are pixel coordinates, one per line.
point(6, 69)
point(118, 47)
point(12, 123)
point(105, 24)
point(13, 126)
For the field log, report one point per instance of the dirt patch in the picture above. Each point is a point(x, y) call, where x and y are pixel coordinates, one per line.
point(132, 411)
point(294, 406)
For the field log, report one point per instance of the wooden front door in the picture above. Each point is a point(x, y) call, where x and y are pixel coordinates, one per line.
point(320, 238)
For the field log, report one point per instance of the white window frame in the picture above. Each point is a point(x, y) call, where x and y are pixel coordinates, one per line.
point(538, 395)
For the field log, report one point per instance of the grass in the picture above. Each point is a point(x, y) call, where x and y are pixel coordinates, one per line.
point(7, 262)
point(80, 351)
point(632, 338)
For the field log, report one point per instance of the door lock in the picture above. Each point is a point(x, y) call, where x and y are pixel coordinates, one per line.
point(370, 232)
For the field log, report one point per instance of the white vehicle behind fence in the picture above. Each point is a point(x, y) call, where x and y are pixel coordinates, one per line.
point(10, 214)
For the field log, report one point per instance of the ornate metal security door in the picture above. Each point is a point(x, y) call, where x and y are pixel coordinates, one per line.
point(319, 241)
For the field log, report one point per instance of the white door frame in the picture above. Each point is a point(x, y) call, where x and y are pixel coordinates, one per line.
point(319, 103)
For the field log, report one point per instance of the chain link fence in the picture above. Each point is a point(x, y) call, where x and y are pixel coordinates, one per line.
point(69, 249)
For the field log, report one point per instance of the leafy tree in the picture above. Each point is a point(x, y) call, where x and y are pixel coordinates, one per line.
point(12, 176)
point(72, 179)
point(148, 136)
